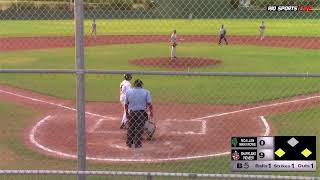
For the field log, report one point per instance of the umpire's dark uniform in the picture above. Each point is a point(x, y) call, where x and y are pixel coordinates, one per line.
point(137, 102)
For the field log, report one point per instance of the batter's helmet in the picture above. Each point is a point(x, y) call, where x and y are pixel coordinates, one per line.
point(138, 83)
point(127, 77)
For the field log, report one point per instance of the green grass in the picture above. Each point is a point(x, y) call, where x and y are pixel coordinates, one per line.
point(236, 58)
point(13, 152)
point(275, 27)
point(217, 90)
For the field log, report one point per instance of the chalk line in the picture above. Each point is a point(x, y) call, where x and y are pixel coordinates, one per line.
point(54, 104)
point(42, 121)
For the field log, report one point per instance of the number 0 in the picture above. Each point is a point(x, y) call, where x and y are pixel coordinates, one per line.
point(262, 142)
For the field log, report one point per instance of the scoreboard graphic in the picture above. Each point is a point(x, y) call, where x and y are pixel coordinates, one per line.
point(277, 153)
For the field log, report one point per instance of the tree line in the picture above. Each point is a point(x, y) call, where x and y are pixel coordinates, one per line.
point(264, 3)
point(88, 4)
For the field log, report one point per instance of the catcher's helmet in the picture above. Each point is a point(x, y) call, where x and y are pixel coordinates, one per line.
point(127, 77)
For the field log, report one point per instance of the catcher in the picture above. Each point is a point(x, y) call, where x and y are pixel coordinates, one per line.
point(149, 129)
point(174, 44)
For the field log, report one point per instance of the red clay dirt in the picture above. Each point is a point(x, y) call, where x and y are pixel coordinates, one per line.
point(184, 131)
point(27, 43)
point(178, 64)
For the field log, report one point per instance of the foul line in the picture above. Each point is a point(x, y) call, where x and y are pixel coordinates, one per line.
point(34, 129)
point(266, 125)
point(254, 108)
point(57, 105)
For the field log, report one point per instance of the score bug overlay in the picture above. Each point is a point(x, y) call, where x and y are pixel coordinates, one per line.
point(302, 8)
point(276, 153)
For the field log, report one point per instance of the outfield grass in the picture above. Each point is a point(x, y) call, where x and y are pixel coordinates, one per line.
point(275, 27)
point(217, 90)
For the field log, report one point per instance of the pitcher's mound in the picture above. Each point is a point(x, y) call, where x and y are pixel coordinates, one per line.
point(179, 63)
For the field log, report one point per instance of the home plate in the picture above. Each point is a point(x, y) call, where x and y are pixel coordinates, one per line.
point(167, 143)
point(119, 146)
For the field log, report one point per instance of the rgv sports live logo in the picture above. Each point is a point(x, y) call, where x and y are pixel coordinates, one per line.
point(303, 8)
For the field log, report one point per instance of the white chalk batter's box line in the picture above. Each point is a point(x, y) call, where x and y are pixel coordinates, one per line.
point(98, 124)
point(63, 154)
point(201, 132)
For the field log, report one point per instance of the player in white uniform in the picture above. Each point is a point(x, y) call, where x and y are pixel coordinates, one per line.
point(262, 29)
point(125, 86)
point(173, 42)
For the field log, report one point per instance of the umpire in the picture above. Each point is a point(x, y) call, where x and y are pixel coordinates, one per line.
point(138, 100)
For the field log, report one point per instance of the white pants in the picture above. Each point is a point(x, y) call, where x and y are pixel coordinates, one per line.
point(261, 34)
point(124, 116)
point(173, 52)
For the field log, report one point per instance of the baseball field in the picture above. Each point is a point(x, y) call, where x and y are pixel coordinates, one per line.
point(196, 116)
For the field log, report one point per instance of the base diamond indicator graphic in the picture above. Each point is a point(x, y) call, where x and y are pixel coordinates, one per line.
point(274, 154)
point(306, 152)
point(293, 142)
point(280, 152)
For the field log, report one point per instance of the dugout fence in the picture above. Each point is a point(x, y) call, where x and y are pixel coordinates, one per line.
point(274, 94)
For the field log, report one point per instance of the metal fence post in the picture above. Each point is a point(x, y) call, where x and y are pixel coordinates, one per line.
point(149, 177)
point(81, 136)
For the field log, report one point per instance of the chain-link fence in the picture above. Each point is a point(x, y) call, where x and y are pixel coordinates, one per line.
point(154, 9)
point(162, 86)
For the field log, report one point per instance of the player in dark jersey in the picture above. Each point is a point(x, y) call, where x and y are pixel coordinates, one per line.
point(223, 33)
point(262, 29)
point(93, 28)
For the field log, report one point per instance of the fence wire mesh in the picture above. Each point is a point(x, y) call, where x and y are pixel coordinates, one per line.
point(213, 70)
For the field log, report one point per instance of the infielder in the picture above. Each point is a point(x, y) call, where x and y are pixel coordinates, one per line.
point(262, 29)
point(94, 28)
point(173, 43)
point(125, 86)
point(223, 33)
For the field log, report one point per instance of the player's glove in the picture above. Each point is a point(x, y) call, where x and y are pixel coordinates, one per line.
point(174, 44)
